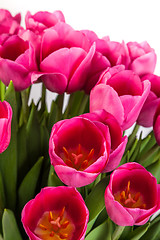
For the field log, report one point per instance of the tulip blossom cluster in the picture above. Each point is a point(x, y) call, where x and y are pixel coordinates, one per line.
point(111, 87)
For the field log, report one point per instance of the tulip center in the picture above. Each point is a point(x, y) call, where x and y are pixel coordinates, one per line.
point(78, 158)
point(129, 198)
point(55, 226)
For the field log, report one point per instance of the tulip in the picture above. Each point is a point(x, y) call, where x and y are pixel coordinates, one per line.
point(79, 149)
point(132, 195)
point(143, 58)
point(5, 125)
point(148, 110)
point(65, 59)
point(56, 213)
point(156, 124)
point(121, 93)
point(9, 24)
point(17, 62)
point(118, 142)
point(42, 20)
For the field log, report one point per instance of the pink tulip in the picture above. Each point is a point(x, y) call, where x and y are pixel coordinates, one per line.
point(121, 93)
point(43, 20)
point(143, 58)
point(118, 143)
point(17, 62)
point(5, 125)
point(156, 124)
point(79, 149)
point(56, 213)
point(148, 110)
point(65, 58)
point(132, 195)
point(9, 24)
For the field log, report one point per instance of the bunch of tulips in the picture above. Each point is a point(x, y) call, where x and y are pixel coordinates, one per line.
point(71, 172)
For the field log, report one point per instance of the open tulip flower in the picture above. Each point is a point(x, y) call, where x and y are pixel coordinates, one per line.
point(56, 213)
point(60, 43)
point(5, 125)
point(132, 195)
point(118, 143)
point(79, 149)
point(17, 62)
point(121, 93)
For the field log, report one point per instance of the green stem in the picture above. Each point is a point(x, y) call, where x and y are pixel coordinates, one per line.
point(59, 101)
point(43, 98)
point(132, 137)
point(83, 104)
point(24, 98)
point(117, 233)
point(69, 106)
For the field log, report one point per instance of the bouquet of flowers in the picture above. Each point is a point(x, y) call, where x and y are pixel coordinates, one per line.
point(72, 172)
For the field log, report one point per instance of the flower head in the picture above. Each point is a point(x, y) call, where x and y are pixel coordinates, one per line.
point(79, 150)
point(5, 125)
point(56, 213)
point(132, 195)
point(121, 93)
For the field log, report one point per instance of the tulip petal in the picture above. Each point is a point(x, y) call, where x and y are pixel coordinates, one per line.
point(104, 97)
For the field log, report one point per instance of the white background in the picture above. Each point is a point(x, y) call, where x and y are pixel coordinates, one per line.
point(128, 20)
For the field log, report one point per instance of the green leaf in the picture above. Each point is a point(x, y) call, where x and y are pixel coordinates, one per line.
point(27, 188)
point(103, 231)
point(2, 196)
point(117, 232)
point(53, 180)
point(53, 116)
point(153, 232)
point(151, 156)
point(2, 90)
point(95, 200)
point(33, 136)
point(8, 159)
point(155, 170)
point(9, 225)
point(138, 232)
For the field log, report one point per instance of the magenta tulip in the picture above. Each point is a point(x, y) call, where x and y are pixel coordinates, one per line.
point(43, 20)
point(5, 125)
point(79, 149)
point(56, 213)
point(121, 93)
point(156, 124)
point(17, 62)
point(148, 110)
point(118, 143)
point(132, 195)
point(143, 58)
point(8, 23)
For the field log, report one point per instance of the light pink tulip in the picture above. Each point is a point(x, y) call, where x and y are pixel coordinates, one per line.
point(132, 195)
point(65, 59)
point(17, 62)
point(79, 149)
point(56, 213)
point(5, 125)
point(121, 93)
point(43, 20)
point(143, 58)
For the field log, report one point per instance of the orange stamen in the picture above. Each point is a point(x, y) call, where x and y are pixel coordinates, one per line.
point(90, 155)
point(63, 236)
point(65, 152)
